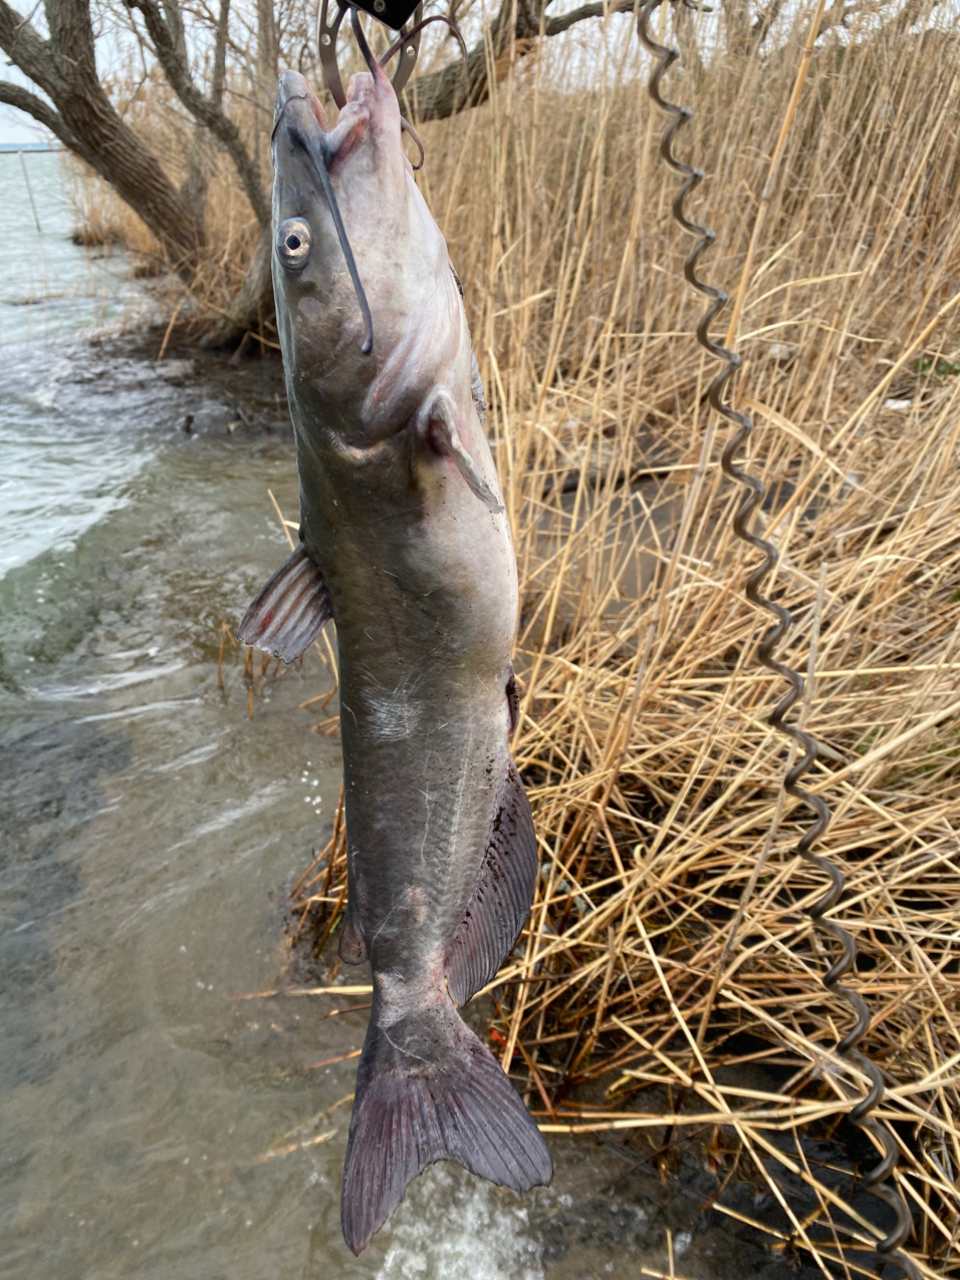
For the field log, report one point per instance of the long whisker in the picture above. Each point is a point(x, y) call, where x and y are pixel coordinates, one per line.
point(294, 97)
point(408, 35)
point(315, 154)
point(407, 127)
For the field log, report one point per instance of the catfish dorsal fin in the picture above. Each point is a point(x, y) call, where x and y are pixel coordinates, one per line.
point(289, 611)
point(502, 896)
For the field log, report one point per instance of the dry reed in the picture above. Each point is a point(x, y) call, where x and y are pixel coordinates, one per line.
point(668, 941)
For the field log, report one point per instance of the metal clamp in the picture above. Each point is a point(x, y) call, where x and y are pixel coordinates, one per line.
point(394, 14)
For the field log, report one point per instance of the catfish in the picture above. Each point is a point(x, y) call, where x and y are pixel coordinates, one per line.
point(405, 544)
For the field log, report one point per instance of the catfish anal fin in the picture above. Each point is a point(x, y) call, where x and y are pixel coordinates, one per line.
point(441, 423)
point(501, 900)
point(289, 611)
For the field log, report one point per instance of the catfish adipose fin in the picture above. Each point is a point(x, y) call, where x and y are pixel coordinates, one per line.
point(428, 1090)
point(289, 611)
point(438, 419)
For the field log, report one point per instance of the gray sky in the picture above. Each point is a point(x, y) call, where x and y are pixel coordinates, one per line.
point(14, 125)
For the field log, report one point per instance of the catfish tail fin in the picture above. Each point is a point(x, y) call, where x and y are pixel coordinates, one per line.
point(428, 1090)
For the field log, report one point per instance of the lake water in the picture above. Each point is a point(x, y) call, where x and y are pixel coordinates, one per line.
point(154, 1122)
point(151, 829)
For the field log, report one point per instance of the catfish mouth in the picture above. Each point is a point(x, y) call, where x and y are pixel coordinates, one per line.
point(293, 87)
point(298, 107)
point(300, 113)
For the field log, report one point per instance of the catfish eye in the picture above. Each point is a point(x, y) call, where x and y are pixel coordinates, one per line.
point(293, 244)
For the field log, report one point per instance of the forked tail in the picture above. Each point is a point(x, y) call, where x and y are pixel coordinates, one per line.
point(428, 1090)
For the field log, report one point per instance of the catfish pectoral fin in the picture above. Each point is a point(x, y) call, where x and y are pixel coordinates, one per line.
point(439, 417)
point(502, 896)
point(428, 1090)
point(289, 611)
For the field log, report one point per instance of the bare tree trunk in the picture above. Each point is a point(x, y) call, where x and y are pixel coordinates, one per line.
point(82, 117)
point(202, 157)
point(266, 81)
point(253, 308)
point(519, 25)
point(77, 110)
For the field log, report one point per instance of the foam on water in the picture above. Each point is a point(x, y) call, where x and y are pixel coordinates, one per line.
point(456, 1226)
point(58, 476)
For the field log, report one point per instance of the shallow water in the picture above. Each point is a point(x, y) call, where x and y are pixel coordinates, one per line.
point(151, 830)
point(63, 460)
point(154, 1121)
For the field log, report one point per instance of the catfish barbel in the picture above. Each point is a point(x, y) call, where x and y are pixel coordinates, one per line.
point(405, 544)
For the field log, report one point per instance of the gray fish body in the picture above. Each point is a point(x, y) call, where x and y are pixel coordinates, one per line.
point(404, 542)
point(421, 580)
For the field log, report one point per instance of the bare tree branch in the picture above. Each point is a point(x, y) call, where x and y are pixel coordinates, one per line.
point(466, 84)
point(202, 156)
point(765, 19)
point(169, 50)
point(554, 26)
point(220, 55)
point(14, 95)
point(24, 47)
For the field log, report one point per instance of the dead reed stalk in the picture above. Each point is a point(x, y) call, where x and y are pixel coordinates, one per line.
point(667, 948)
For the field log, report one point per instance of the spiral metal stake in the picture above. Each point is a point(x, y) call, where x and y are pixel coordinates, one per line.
point(862, 1114)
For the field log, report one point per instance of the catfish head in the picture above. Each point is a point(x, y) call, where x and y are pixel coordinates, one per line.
point(368, 308)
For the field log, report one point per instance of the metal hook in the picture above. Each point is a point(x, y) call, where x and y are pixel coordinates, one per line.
point(327, 32)
point(328, 28)
point(409, 51)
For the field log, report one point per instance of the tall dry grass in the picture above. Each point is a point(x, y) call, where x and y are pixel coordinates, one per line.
point(668, 941)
